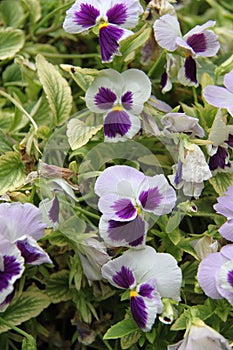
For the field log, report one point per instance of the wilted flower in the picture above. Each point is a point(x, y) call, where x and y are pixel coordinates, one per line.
point(149, 276)
point(191, 171)
point(198, 42)
point(126, 196)
point(204, 246)
point(225, 207)
point(215, 274)
point(121, 97)
point(221, 97)
point(112, 19)
point(201, 337)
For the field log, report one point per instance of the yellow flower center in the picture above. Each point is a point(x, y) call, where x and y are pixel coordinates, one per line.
point(133, 293)
point(138, 210)
point(103, 25)
point(117, 108)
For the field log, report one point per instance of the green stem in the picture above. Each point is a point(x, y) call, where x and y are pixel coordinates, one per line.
point(20, 107)
point(60, 55)
point(88, 213)
point(51, 14)
point(155, 65)
point(195, 95)
point(16, 329)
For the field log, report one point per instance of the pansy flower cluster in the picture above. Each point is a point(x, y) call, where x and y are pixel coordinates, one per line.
point(21, 226)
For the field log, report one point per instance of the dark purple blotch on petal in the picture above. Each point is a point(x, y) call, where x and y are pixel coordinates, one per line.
point(178, 174)
point(138, 309)
point(146, 290)
point(109, 37)
point(150, 199)
point(197, 42)
point(53, 213)
point(190, 69)
point(131, 231)
point(164, 79)
point(124, 208)
point(220, 159)
point(11, 268)
point(116, 123)
point(105, 98)
point(124, 278)
point(127, 100)
point(230, 141)
point(87, 15)
point(117, 14)
point(230, 277)
point(29, 253)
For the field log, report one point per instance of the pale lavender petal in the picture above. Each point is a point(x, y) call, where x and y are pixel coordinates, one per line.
point(200, 28)
point(33, 254)
point(105, 98)
point(156, 195)
point(228, 81)
point(167, 30)
point(81, 16)
point(225, 281)
point(226, 230)
point(115, 208)
point(208, 272)
point(225, 205)
point(227, 251)
point(203, 44)
point(119, 233)
point(180, 122)
point(119, 179)
point(218, 96)
point(21, 219)
point(11, 269)
point(160, 105)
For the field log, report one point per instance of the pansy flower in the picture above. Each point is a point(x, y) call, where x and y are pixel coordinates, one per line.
point(127, 199)
point(215, 274)
point(219, 96)
point(112, 18)
point(200, 336)
point(11, 269)
point(120, 97)
point(198, 42)
point(149, 276)
point(21, 224)
point(225, 207)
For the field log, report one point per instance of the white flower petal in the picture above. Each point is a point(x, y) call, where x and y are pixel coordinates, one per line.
point(167, 30)
point(228, 81)
point(218, 96)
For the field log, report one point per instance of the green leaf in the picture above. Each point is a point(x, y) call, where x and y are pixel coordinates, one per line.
point(58, 287)
point(82, 76)
point(5, 145)
point(129, 45)
point(11, 41)
point(79, 133)
point(12, 18)
point(24, 307)
point(180, 323)
point(29, 344)
point(34, 9)
point(56, 89)
point(130, 339)
point(121, 329)
point(221, 182)
point(11, 172)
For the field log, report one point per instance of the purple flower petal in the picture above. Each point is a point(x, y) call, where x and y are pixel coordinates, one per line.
point(178, 174)
point(7, 301)
point(129, 234)
point(139, 312)
point(124, 278)
point(190, 69)
point(81, 16)
point(150, 199)
point(32, 252)
point(197, 42)
point(117, 14)
point(109, 37)
point(127, 100)
point(146, 290)
point(124, 209)
point(115, 208)
point(116, 122)
point(105, 98)
point(220, 159)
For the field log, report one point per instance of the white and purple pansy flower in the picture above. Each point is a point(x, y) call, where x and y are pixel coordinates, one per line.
point(225, 207)
point(120, 97)
point(11, 269)
point(215, 274)
point(198, 42)
point(149, 276)
point(21, 224)
point(112, 18)
point(219, 96)
point(127, 199)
